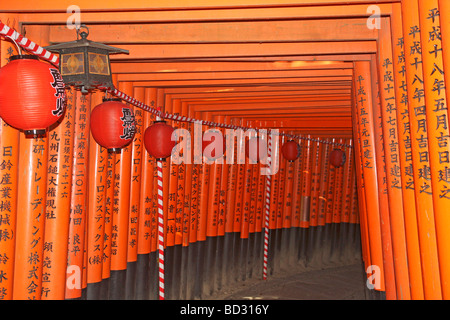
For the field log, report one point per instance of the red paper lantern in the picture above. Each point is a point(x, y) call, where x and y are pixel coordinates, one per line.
point(290, 150)
point(32, 96)
point(158, 140)
point(254, 148)
point(337, 158)
point(112, 124)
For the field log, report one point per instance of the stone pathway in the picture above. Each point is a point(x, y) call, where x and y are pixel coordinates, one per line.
point(333, 283)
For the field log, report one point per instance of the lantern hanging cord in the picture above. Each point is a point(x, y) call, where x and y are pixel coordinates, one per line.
point(175, 117)
point(19, 49)
point(44, 54)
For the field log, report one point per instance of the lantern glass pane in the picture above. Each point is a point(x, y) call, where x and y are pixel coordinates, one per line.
point(72, 63)
point(98, 64)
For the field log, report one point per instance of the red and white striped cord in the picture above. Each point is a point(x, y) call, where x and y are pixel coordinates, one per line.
point(160, 222)
point(266, 218)
point(160, 230)
point(28, 45)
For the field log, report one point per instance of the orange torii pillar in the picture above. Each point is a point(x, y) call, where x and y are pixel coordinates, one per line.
point(77, 228)
point(147, 216)
point(389, 105)
point(419, 146)
point(438, 130)
point(120, 216)
point(9, 158)
point(386, 237)
point(405, 154)
point(98, 158)
point(365, 118)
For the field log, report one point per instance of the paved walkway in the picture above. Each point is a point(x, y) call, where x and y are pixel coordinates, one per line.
point(333, 283)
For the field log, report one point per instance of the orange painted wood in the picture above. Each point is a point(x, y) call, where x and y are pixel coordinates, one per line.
point(183, 196)
point(383, 198)
point(224, 180)
point(405, 157)
point(232, 182)
point(79, 204)
point(420, 151)
point(214, 194)
point(366, 119)
point(200, 14)
point(146, 219)
point(59, 190)
point(30, 219)
point(98, 158)
point(249, 31)
point(438, 130)
point(202, 50)
point(184, 188)
point(260, 197)
point(9, 157)
point(444, 10)
point(120, 217)
point(323, 183)
point(281, 186)
point(246, 199)
point(204, 191)
point(365, 244)
point(109, 209)
point(315, 182)
point(289, 187)
point(306, 184)
point(274, 187)
point(137, 150)
point(389, 105)
point(347, 183)
point(337, 192)
point(171, 222)
point(195, 189)
point(166, 76)
point(297, 190)
point(330, 190)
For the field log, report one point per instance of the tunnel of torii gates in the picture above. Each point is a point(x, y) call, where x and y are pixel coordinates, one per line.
point(367, 78)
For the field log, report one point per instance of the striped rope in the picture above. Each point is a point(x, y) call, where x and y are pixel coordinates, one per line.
point(160, 222)
point(27, 44)
point(177, 117)
point(266, 219)
point(160, 231)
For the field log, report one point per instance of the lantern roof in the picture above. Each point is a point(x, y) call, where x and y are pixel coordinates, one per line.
point(84, 42)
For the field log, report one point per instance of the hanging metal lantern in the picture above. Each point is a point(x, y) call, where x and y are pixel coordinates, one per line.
point(290, 150)
point(85, 64)
point(32, 96)
point(113, 124)
point(158, 140)
point(337, 158)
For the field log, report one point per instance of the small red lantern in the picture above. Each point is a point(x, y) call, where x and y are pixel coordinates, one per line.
point(290, 150)
point(337, 158)
point(112, 124)
point(254, 148)
point(158, 140)
point(32, 96)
